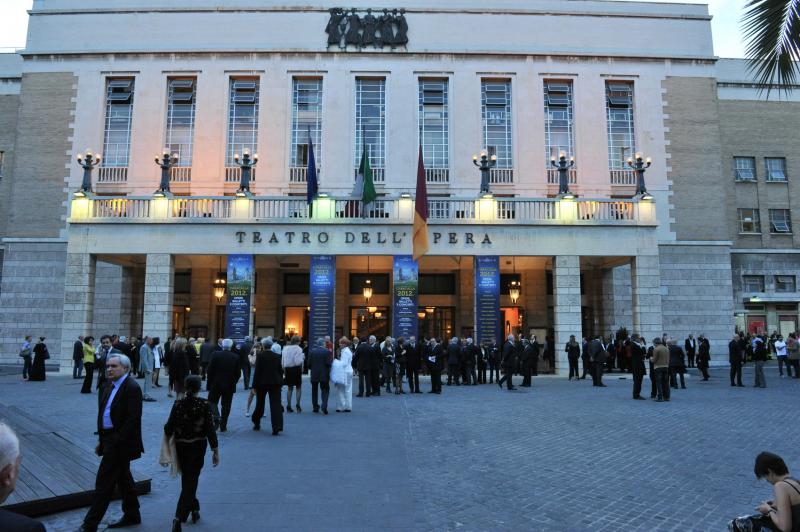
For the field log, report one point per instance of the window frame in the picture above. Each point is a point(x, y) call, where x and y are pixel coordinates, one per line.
point(753, 277)
point(786, 222)
point(115, 105)
point(553, 104)
point(491, 112)
point(790, 281)
point(617, 161)
point(184, 150)
point(236, 126)
point(781, 171)
point(435, 155)
point(301, 125)
point(756, 221)
point(737, 169)
point(377, 151)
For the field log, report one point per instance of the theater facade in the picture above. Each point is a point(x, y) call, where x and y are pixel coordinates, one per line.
point(214, 253)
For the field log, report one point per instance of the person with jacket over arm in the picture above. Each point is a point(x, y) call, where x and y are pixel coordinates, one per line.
point(362, 359)
point(119, 426)
point(223, 374)
point(638, 354)
point(735, 358)
point(190, 422)
point(413, 363)
point(509, 354)
point(320, 360)
point(268, 379)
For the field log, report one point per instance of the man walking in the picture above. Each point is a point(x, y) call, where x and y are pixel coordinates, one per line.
point(735, 358)
point(146, 364)
point(268, 379)
point(782, 354)
point(206, 350)
point(321, 360)
point(637, 361)
point(223, 374)
point(509, 353)
point(690, 345)
point(119, 425)
point(77, 358)
point(661, 366)
point(413, 364)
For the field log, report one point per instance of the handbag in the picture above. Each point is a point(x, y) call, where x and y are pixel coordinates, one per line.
point(169, 455)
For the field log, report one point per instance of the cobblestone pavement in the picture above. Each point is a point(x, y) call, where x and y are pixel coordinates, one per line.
point(559, 456)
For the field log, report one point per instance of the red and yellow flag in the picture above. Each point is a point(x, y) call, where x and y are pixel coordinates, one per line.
point(420, 238)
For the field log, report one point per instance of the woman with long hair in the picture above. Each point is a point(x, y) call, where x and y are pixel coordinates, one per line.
point(191, 424)
point(179, 365)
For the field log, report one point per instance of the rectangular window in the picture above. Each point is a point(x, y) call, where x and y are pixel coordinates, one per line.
point(780, 221)
point(119, 116)
point(753, 283)
point(306, 118)
point(180, 119)
point(434, 123)
point(380, 283)
point(437, 284)
point(559, 128)
point(785, 283)
point(242, 118)
point(182, 283)
point(295, 283)
point(496, 118)
point(776, 168)
point(744, 168)
point(749, 221)
point(371, 121)
point(619, 117)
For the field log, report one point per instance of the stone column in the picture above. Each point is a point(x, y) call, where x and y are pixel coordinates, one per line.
point(566, 305)
point(646, 296)
point(158, 294)
point(78, 303)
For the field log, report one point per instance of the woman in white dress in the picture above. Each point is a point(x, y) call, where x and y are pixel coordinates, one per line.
point(342, 376)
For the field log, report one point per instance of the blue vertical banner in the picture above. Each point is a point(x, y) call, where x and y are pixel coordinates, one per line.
point(322, 277)
point(487, 299)
point(405, 287)
point(240, 286)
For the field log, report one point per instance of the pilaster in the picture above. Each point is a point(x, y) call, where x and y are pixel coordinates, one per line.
point(566, 305)
point(78, 314)
point(158, 295)
point(646, 296)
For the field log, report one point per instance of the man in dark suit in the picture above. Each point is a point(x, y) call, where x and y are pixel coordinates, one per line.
point(321, 362)
point(206, 350)
point(735, 357)
point(509, 355)
point(453, 362)
point(119, 425)
point(690, 344)
point(598, 353)
point(244, 352)
point(10, 459)
point(77, 358)
point(223, 374)
point(363, 362)
point(413, 364)
point(434, 362)
point(528, 360)
point(638, 354)
point(376, 363)
point(268, 379)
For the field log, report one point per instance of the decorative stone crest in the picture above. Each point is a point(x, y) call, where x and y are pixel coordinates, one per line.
point(347, 29)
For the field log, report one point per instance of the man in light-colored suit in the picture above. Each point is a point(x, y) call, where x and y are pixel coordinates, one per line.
point(146, 364)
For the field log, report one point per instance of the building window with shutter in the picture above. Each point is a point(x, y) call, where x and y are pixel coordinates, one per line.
point(119, 117)
point(749, 221)
point(619, 118)
point(242, 118)
point(780, 221)
point(744, 168)
point(776, 168)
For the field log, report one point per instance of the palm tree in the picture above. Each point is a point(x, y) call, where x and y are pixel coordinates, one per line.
point(772, 28)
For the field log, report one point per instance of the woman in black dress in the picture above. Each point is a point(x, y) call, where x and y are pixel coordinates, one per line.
point(40, 354)
point(191, 424)
point(179, 365)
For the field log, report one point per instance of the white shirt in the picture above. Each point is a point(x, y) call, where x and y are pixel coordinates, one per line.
point(347, 359)
point(780, 348)
point(107, 412)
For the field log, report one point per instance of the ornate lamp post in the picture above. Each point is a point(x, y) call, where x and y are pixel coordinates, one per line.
point(563, 166)
point(514, 287)
point(165, 161)
point(639, 167)
point(485, 165)
point(246, 163)
point(88, 162)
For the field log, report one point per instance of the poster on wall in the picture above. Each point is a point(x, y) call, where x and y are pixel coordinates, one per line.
point(405, 287)
point(240, 286)
point(322, 278)
point(487, 299)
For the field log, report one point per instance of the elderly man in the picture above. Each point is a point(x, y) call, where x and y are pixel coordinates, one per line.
point(119, 425)
point(223, 374)
point(509, 354)
point(10, 459)
point(147, 362)
point(320, 360)
point(268, 379)
point(660, 360)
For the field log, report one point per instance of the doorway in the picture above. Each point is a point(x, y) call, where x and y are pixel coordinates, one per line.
point(366, 321)
point(436, 322)
point(295, 321)
point(513, 320)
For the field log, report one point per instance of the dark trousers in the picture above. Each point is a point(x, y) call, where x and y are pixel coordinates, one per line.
point(190, 457)
point(275, 411)
point(101, 374)
point(452, 374)
point(494, 373)
point(77, 368)
point(573, 367)
point(26, 366)
point(690, 357)
point(365, 383)
point(114, 471)
point(674, 373)
point(736, 373)
point(213, 399)
point(508, 378)
point(598, 374)
point(587, 367)
point(88, 368)
point(662, 383)
point(481, 373)
point(203, 369)
point(638, 377)
point(472, 376)
point(413, 379)
point(704, 370)
point(653, 385)
point(246, 376)
point(796, 365)
point(326, 390)
point(526, 375)
point(436, 379)
point(783, 361)
point(375, 381)
point(388, 375)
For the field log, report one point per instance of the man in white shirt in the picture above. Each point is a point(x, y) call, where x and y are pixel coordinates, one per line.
point(782, 354)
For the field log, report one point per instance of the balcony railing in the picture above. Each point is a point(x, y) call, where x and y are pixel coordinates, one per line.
point(233, 174)
point(552, 176)
point(437, 176)
point(622, 177)
point(378, 174)
point(180, 174)
point(112, 174)
point(347, 210)
point(501, 176)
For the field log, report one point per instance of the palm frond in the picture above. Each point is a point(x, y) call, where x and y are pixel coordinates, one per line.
point(772, 29)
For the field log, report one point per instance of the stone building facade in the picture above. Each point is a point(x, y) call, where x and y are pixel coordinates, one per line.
point(126, 261)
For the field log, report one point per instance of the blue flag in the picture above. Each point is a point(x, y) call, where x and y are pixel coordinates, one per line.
point(312, 187)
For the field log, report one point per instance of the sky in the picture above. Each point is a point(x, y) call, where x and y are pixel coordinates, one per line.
point(725, 25)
